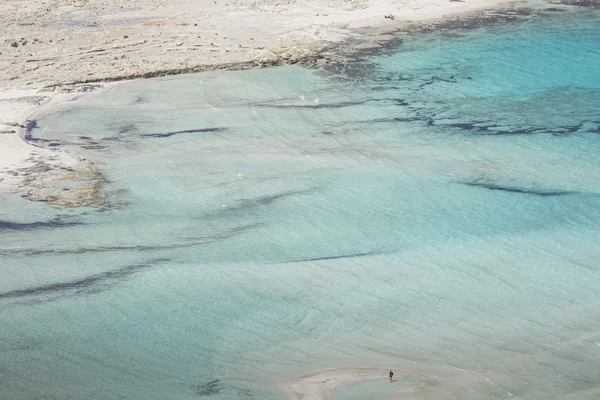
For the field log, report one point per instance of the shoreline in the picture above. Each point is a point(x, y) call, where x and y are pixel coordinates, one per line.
point(59, 177)
point(79, 41)
point(55, 176)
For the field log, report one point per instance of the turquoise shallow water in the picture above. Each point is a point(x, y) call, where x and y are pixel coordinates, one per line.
point(434, 208)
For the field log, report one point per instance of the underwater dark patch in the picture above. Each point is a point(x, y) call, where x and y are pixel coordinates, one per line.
point(29, 126)
point(247, 205)
point(191, 242)
point(435, 79)
point(167, 134)
point(91, 284)
point(341, 104)
point(543, 193)
point(127, 128)
point(27, 226)
point(332, 257)
point(266, 200)
point(210, 388)
point(581, 3)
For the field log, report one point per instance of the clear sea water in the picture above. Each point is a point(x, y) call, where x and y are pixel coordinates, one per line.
point(435, 208)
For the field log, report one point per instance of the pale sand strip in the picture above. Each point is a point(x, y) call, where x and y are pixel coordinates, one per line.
point(322, 385)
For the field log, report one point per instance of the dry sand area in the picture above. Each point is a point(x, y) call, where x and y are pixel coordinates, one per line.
point(49, 42)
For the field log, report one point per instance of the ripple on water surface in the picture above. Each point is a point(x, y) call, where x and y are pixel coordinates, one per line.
point(437, 214)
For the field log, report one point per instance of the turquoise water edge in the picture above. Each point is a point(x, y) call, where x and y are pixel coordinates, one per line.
point(434, 208)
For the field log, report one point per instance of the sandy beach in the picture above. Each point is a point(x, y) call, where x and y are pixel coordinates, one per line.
point(51, 49)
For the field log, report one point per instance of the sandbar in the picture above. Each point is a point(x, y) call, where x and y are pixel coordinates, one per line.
point(322, 385)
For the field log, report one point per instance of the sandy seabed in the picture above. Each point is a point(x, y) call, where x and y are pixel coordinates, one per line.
point(55, 50)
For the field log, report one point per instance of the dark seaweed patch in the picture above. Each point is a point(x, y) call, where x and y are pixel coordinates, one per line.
point(384, 88)
point(127, 128)
point(314, 106)
point(544, 193)
point(89, 285)
point(167, 134)
point(248, 204)
point(341, 104)
point(37, 140)
point(483, 128)
point(29, 126)
point(141, 248)
point(332, 257)
point(26, 226)
point(210, 388)
point(434, 79)
point(406, 119)
point(356, 70)
point(581, 3)
point(266, 200)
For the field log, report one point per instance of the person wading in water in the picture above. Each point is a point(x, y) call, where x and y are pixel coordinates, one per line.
point(391, 375)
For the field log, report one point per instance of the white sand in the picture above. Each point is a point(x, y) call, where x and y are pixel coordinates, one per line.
point(322, 385)
point(54, 43)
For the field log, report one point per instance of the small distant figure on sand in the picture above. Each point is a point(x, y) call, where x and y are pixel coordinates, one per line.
point(391, 375)
point(389, 16)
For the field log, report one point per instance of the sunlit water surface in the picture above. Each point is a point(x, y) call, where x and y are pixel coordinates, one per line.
point(435, 208)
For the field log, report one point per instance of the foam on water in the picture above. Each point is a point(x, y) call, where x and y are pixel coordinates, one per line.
point(437, 212)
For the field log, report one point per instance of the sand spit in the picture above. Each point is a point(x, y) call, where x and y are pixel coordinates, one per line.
point(322, 385)
point(420, 382)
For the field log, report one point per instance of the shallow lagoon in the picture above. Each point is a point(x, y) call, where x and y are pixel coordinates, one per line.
point(434, 208)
